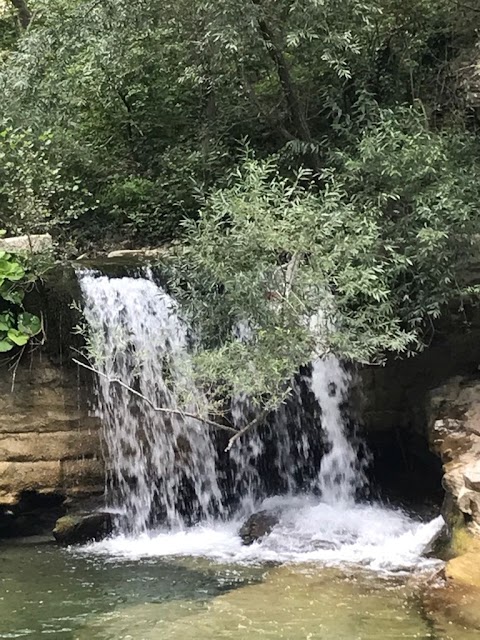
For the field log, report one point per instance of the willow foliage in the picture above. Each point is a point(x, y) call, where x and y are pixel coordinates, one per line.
point(275, 270)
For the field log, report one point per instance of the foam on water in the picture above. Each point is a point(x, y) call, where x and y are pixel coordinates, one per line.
point(308, 531)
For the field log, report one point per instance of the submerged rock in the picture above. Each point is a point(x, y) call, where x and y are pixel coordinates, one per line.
point(257, 526)
point(452, 597)
point(82, 528)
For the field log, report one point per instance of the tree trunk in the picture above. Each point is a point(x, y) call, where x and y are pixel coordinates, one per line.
point(290, 92)
point(23, 12)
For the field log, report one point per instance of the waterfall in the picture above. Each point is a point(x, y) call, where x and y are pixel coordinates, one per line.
point(160, 466)
point(164, 469)
point(341, 474)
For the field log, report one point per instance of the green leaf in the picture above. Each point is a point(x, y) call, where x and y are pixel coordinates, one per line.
point(29, 323)
point(17, 337)
point(6, 321)
point(5, 345)
point(15, 296)
point(14, 272)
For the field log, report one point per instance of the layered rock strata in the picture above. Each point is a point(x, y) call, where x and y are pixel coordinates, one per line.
point(48, 442)
point(454, 418)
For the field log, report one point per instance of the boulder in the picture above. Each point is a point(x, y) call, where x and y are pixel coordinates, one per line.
point(83, 528)
point(439, 543)
point(257, 526)
point(471, 476)
point(34, 243)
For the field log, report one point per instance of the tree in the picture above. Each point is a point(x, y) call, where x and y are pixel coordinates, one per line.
point(146, 101)
point(360, 267)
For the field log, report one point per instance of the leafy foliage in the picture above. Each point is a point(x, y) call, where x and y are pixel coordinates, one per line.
point(32, 182)
point(144, 102)
point(125, 122)
point(360, 266)
point(17, 326)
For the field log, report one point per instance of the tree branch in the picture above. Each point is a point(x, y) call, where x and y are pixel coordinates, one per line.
point(23, 12)
point(291, 272)
point(274, 122)
point(468, 7)
point(251, 425)
point(183, 414)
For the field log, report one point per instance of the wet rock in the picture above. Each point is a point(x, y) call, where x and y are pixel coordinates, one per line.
point(453, 597)
point(33, 514)
point(464, 570)
point(437, 546)
point(83, 528)
point(257, 526)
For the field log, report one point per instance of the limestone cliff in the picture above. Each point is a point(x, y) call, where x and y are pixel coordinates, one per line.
point(454, 427)
point(48, 442)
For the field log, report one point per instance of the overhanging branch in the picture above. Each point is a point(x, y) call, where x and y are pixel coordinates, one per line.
point(251, 425)
point(237, 433)
point(178, 412)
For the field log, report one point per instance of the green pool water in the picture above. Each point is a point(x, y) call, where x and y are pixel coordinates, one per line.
point(48, 592)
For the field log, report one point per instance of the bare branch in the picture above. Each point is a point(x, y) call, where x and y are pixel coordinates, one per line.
point(291, 273)
point(183, 414)
point(251, 425)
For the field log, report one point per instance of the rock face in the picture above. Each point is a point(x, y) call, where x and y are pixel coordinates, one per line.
point(83, 528)
point(454, 418)
point(257, 526)
point(48, 443)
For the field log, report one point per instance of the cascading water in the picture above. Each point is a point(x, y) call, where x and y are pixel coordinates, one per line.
point(156, 460)
point(164, 472)
point(341, 472)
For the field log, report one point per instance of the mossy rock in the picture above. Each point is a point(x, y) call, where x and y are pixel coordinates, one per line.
point(465, 569)
point(83, 528)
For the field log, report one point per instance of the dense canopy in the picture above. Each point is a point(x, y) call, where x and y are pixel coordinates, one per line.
point(308, 159)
